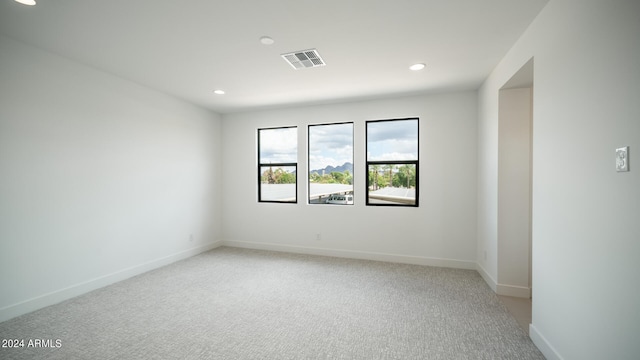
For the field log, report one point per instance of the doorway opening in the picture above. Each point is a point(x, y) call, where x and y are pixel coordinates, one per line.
point(515, 145)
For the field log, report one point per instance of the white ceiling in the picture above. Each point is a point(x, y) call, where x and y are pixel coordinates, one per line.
point(190, 48)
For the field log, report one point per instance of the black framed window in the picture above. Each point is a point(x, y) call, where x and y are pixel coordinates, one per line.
point(278, 165)
point(392, 162)
point(331, 163)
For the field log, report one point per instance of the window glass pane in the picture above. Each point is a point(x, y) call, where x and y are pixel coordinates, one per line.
point(278, 145)
point(278, 183)
point(392, 184)
point(392, 162)
point(392, 140)
point(277, 156)
point(331, 164)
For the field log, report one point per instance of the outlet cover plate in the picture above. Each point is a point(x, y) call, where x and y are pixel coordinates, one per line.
point(622, 159)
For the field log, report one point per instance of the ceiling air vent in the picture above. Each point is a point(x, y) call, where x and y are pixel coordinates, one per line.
point(304, 59)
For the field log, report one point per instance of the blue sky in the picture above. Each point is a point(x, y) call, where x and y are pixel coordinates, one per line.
point(392, 140)
point(279, 145)
point(330, 145)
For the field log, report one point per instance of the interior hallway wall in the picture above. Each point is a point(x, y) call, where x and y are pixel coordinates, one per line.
point(514, 192)
point(585, 229)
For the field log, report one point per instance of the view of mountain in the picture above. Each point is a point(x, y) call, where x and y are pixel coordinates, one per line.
point(329, 169)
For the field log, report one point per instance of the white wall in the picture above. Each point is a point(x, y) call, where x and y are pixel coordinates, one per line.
point(441, 231)
point(586, 234)
point(100, 179)
point(487, 187)
point(514, 192)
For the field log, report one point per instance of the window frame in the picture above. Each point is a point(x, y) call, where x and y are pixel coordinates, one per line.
point(415, 163)
point(309, 162)
point(280, 164)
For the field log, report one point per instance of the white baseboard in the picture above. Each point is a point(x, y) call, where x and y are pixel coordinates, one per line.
point(69, 292)
point(543, 345)
point(512, 290)
point(493, 284)
point(364, 255)
point(503, 289)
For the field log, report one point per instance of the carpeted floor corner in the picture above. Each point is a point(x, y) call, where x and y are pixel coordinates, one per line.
point(232, 303)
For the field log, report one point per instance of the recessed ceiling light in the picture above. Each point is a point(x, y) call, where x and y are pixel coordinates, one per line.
point(416, 67)
point(219, 92)
point(27, 2)
point(265, 40)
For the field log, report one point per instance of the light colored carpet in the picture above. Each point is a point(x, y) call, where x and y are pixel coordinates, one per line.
point(233, 303)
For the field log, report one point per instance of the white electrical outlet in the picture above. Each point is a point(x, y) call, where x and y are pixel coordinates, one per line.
point(318, 237)
point(622, 159)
